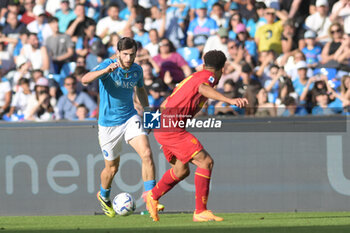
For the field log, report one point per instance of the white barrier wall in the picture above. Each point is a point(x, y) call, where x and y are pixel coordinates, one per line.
point(53, 168)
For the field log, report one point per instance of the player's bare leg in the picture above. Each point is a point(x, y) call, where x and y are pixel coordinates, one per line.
point(204, 164)
point(143, 149)
point(107, 175)
point(180, 170)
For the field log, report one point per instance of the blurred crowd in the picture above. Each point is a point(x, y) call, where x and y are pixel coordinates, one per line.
point(289, 58)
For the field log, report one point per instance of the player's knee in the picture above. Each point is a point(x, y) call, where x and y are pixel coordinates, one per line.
point(209, 163)
point(183, 173)
point(146, 156)
point(186, 173)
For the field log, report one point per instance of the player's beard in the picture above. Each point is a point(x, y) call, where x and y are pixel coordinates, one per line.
point(125, 65)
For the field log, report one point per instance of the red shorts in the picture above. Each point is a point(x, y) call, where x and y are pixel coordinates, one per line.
point(181, 145)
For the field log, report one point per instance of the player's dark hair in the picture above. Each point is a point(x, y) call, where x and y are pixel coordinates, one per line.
point(215, 59)
point(126, 43)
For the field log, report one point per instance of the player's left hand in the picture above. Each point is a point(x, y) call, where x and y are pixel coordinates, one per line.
point(239, 102)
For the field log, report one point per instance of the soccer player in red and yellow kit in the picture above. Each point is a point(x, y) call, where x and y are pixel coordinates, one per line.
point(181, 147)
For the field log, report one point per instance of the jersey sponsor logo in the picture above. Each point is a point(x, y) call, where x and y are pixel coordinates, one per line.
point(125, 84)
point(118, 83)
point(211, 79)
point(105, 153)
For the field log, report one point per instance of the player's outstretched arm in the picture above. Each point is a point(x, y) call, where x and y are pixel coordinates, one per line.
point(93, 75)
point(211, 93)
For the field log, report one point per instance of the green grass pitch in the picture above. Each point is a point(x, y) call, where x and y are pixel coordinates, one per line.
point(305, 222)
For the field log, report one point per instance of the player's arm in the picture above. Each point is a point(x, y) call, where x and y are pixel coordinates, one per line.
point(211, 93)
point(93, 75)
point(142, 96)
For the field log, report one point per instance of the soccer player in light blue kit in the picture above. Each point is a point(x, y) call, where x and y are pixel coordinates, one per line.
point(118, 78)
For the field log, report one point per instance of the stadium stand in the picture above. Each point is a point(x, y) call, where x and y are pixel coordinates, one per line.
point(288, 58)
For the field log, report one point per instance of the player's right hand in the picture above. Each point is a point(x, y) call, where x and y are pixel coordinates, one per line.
point(239, 102)
point(112, 67)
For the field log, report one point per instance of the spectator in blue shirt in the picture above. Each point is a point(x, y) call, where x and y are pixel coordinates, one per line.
point(64, 15)
point(322, 101)
point(234, 20)
point(141, 34)
point(201, 27)
point(12, 6)
point(155, 98)
point(312, 51)
point(302, 81)
point(247, 43)
point(23, 37)
point(126, 12)
point(272, 84)
point(292, 109)
point(112, 44)
point(67, 104)
point(82, 114)
point(253, 23)
point(90, 46)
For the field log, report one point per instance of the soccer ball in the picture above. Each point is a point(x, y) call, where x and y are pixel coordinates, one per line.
point(124, 204)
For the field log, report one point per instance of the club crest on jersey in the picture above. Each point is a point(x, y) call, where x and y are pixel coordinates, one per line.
point(211, 79)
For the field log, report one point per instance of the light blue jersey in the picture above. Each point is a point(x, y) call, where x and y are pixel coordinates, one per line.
point(116, 93)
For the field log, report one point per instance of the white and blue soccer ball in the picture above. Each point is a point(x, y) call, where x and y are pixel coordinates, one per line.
point(124, 204)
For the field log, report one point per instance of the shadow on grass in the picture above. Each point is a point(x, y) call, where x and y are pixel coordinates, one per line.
point(204, 229)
